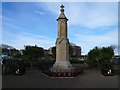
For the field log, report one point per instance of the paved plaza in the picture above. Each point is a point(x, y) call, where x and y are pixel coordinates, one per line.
point(34, 79)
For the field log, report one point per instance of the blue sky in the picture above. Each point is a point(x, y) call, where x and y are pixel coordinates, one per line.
point(90, 23)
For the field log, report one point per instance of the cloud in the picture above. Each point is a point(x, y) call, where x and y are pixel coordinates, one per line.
point(39, 12)
point(60, 0)
point(90, 15)
point(25, 38)
point(94, 16)
point(89, 41)
point(17, 36)
point(52, 7)
point(8, 22)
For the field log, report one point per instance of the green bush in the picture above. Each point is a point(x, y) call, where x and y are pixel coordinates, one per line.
point(75, 60)
point(9, 64)
point(45, 63)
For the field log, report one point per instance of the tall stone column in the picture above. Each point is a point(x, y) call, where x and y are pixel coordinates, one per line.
point(62, 43)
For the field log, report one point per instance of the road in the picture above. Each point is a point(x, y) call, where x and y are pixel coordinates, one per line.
point(34, 79)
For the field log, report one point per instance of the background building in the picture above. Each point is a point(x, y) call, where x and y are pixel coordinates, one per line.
point(76, 50)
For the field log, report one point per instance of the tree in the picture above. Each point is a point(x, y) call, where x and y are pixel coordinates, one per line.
point(107, 53)
point(17, 55)
point(106, 56)
point(54, 51)
point(13, 52)
point(5, 50)
point(115, 48)
point(97, 56)
point(93, 57)
point(70, 50)
point(32, 53)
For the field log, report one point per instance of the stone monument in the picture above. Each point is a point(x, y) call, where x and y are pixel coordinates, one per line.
point(62, 43)
point(62, 66)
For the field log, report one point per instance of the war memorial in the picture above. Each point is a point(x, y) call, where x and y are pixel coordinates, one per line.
point(62, 67)
point(59, 74)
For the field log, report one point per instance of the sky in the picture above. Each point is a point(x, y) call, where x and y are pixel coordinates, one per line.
point(90, 24)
